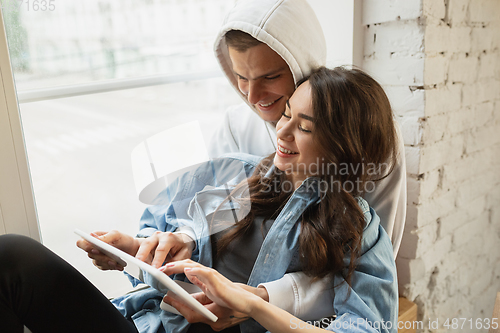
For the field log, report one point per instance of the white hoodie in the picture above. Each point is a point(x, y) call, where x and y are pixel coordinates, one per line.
point(292, 30)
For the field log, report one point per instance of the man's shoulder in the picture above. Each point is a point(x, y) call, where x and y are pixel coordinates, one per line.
point(250, 159)
point(241, 113)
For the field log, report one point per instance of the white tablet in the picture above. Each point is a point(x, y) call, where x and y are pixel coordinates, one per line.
point(163, 280)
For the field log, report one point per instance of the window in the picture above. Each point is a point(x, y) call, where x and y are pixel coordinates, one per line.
point(88, 76)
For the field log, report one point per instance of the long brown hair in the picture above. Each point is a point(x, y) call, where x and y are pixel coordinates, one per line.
point(354, 130)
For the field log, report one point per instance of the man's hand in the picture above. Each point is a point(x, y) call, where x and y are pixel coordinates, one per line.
point(115, 238)
point(165, 246)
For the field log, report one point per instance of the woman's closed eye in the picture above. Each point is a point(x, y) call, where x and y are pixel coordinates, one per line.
point(302, 128)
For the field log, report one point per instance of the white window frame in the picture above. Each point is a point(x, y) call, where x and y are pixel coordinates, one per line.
point(17, 204)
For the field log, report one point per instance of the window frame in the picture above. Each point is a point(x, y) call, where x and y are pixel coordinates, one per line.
point(17, 204)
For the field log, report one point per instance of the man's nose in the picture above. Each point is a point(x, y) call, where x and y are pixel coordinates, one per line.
point(255, 92)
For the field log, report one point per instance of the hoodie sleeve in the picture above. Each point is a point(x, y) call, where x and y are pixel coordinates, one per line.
point(243, 131)
point(223, 141)
point(389, 198)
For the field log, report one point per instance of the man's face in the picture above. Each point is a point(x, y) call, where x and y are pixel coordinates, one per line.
point(264, 78)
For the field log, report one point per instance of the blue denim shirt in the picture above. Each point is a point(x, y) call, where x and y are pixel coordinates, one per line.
point(371, 304)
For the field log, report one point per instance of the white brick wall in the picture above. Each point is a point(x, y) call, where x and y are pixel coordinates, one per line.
point(439, 61)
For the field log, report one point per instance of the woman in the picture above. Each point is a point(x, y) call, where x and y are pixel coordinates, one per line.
point(334, 138)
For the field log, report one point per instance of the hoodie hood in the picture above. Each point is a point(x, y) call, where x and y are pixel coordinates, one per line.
point(289, 27)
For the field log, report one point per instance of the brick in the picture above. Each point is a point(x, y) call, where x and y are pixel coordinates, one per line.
point(430, 183)
point(482, 138)
point(466, 167)
point(460, 39)
point(484, 303)
point(412, 189)
point(437, 39)
point(483, 114)
point(411, 130)
point(493, 198)
point(475, 186)
point(435, 127)
point(397, 71)
point(463, 68)
point(440, 153)
point(454, 265)
point(458, 12)
point(436, 69)
point(460, 216)
point(448, 310)
point(496, 272)
point(412, 155)
point(468, 231)
point(429, 211)
point(488, 63)
point(491, 89)
point(483, 10)
point(482, 280)
point(394, 39)
point(379, 11)
point(405, 101)
point(482, 38)
point(427, 237)
point(434, 9)
point(482, 91)
point(437, 252)
point(443, 99)
point(460, 121)
point(491, 242)
point(496, 111)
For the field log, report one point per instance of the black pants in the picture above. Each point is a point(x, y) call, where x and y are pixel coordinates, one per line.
point(42, 291)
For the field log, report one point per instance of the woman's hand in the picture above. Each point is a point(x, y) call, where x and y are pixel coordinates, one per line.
point(165, 246)
point(226, 317)
point(115, 238)
point(217, 288)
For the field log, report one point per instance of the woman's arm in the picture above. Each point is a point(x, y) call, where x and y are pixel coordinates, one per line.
point(231, 295)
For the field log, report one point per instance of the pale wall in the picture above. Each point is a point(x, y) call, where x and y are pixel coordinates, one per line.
point(439, 61)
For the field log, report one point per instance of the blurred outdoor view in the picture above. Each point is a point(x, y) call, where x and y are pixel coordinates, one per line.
point(79, 147)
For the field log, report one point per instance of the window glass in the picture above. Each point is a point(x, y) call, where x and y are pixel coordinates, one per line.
point(79, 148)
point(54, 42)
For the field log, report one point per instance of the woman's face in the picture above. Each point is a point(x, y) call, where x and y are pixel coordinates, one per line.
point(297, 153)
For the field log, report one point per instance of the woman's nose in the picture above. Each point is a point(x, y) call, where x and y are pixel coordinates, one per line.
point(283, 130)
